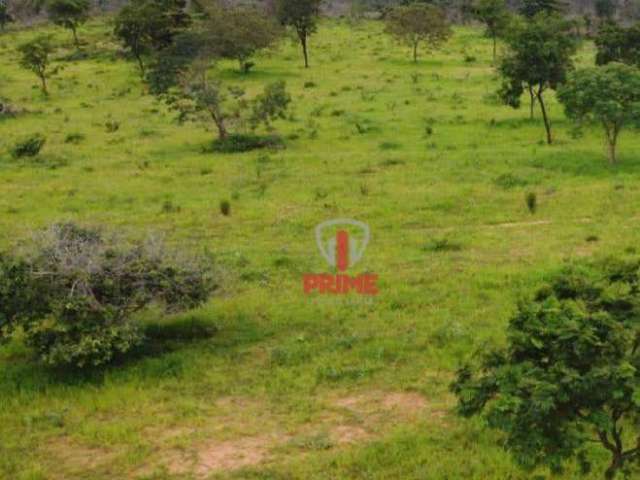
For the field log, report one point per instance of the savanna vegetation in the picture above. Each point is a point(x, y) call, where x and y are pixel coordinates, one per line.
point(163, 166)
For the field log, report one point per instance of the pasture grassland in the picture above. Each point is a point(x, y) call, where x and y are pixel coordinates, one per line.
point(293, 387)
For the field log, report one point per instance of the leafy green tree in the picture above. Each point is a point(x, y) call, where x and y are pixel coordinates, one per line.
point(608, 95)
point(239, 32)
point(539, 57)
point(35, 56)
point(569, 376)
point(416, 23)
point(5, 16)
point(145, 26)
point(495, 15)
point(69, 14)
point(302, 16)
point(618, 44)
point(531, 8)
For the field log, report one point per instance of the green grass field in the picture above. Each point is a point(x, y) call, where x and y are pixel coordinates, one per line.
point(298, 387)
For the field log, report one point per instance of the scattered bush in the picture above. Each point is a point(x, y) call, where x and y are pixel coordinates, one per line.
point(74, 138)
point(225, 208)
point(75, 295)
point(531, 200)
point(442, 245)
point(238, 143)
point(28, 147)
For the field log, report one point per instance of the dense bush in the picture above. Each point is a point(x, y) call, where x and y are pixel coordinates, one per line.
point(74, 297)
point(28, 147)
point(237, 143)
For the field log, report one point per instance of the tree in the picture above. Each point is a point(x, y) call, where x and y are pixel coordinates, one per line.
point(69, 14)
point(618, 44)
point(5, 16)
point(184, 76)
point(416, 23)
point(569, 375)
point(74, 295)
point(144, 26)
point(605, 9)
point(531, 8)
point(302, 16)
point(495, 15)
point(35, 57)
point(609, 95)
point(239, 32)
point(538, 59)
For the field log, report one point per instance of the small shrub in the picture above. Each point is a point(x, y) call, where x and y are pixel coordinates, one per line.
point(112, 126)
point(225, 208)
point(532, 202)
point(389, 146)
point(74, 138)
point(29, 147)
point(442, 245)
point(238, 143)
point(509, 180)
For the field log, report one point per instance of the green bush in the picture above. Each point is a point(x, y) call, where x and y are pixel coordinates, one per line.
point(28, 147)
point(239, 143)
point(74, 297)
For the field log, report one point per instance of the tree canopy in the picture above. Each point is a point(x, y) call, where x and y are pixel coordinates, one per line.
point(69, 14)
point(608, 95)
point(302, 16)
point(539, 57)
point(569, 376)
point(417, 23)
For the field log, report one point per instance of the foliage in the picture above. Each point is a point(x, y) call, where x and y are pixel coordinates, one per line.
point(270, 105)
point(34, 56)
point(495, 15)
point(302, 16)
point(570, 373)
point(608, 95)
point(145, 26)
point(416, 23)
point(28, 147)
point(539, 58)
point(618, 44)
point(239, 32)
point(605, 9)
point(532, 8)
point(75, 295)
point(5, 16)
point(69, 14)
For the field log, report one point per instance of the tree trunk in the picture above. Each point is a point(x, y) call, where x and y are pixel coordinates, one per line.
point(140, 64)
point(612, 132)
point(547, 125)
point(494, 48)
point(533, 102)
point(616, 464)
point(222, 129)
point(415, 52)
point(43, 81)
point(302, 34)
point(75, 37)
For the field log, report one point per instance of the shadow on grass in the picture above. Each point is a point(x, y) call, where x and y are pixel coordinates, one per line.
point(571, 161)
point(166, 353)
